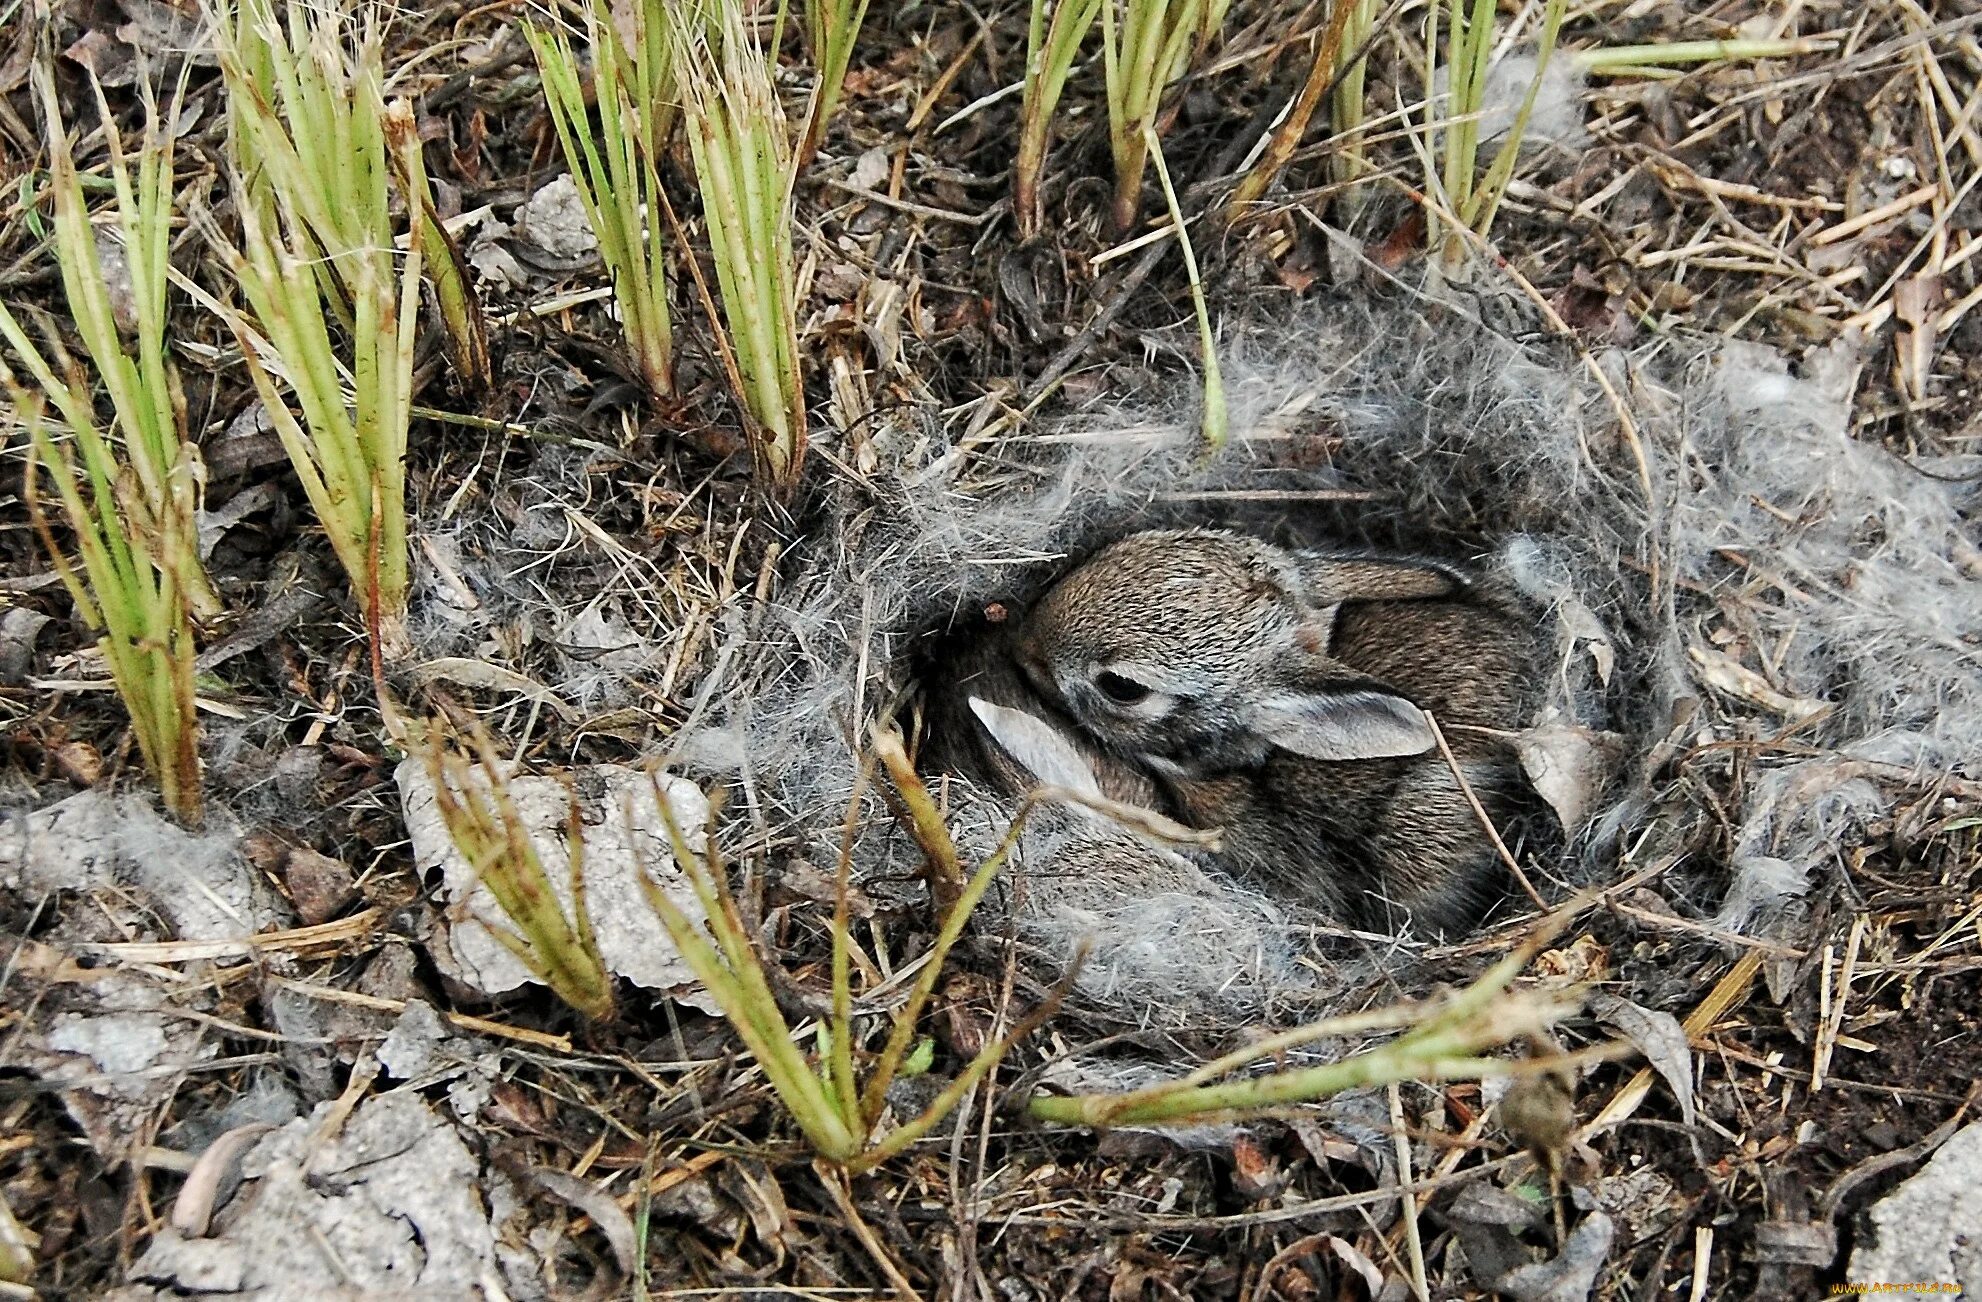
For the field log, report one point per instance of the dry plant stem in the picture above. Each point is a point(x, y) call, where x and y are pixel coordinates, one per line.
point(1480, 814)
point(135, 518)
point(1445, 1045)
point(615, 169)
point(743, 165)
point(481, 820)
point(832, 26)
point(1051, 47)
point(1322, 74)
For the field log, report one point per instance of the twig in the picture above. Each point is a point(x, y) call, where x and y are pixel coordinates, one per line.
point(1479, 812)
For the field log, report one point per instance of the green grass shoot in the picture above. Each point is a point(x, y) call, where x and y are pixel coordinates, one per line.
point(1469, 199)
point(1446, 1039)
point(1145, 46)
point(1350, 66)
point(334, 303)
point(837, 1110)
point(614, 166)
point(130, 494)
point(744, 170)
point(475, 806)
point(831, 26)
point(1051, 47)
point(1215, 421)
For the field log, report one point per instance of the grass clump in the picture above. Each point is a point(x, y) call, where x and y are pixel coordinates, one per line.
point(1050, 49)
point(614, 166)
point(130, 493)
point(1145, 46)
point(334, 304)
point(837, 1110)
point(475, 806)
point(1470, 198)
point(291, 87)
point(744, 170)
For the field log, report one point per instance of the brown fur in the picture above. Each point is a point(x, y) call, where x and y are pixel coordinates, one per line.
point(1220, 627)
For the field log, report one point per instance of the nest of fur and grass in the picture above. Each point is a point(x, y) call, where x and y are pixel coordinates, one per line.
point(599, 576)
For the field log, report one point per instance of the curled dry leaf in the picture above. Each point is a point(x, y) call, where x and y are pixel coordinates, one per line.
point(1572, 1274)
point(1569, 766)
point(611, 1220)
point(1659, 1036)
point(1730, 677)
point(192, 1210)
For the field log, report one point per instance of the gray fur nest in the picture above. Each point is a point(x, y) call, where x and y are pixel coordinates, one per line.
point(1813, 605)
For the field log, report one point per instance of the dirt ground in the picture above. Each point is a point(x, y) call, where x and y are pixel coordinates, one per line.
point(1782, 201)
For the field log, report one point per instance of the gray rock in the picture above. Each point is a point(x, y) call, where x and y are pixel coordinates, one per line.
point(1929, 1230)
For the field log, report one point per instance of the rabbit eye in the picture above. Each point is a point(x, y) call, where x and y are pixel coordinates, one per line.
point(1120, 690)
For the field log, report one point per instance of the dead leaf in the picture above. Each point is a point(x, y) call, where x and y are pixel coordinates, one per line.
point(192, 1210)
point(607, 1215)
point(1568, 765)
point(1570, 1276)
point(1659, 1036)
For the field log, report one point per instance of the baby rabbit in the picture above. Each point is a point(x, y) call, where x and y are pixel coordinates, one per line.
point(1281, 697)
point(1160, 927)
point(986, 720)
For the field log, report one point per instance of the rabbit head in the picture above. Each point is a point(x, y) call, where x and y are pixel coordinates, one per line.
point(1200, 651)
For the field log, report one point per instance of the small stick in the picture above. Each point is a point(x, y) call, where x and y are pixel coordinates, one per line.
point(1413, 1242)
point(1479, 812)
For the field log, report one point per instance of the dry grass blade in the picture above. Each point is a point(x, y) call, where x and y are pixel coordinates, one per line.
point(135, 516)
point(1324, 72)
point(1215, 423)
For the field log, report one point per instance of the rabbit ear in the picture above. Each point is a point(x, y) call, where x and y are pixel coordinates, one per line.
point(1354, 723)
point(1372, 578)
point(1042, 749)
